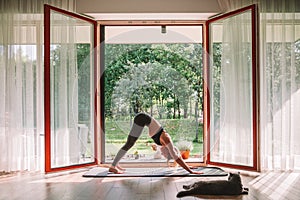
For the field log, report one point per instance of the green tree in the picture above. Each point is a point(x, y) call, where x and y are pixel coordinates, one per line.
point(184, 58)
point(149, 84)
point(84, 91)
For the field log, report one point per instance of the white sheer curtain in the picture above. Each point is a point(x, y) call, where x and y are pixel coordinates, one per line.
point(64, 88)
point(21, 83)
point(280, 85)
point(279, 81)
point(232, 111)
point(236, 97)
point(71, 86)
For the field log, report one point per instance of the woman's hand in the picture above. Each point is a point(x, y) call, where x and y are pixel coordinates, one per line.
point(193, 167)
point(196, 172)
point(193, 171)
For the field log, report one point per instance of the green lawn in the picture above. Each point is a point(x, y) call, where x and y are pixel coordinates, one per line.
point(180, 129)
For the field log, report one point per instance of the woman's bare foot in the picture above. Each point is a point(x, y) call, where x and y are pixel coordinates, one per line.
point(115, 170)
point(120, 168)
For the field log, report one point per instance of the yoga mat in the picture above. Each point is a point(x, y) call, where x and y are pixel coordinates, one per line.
point(156, 172)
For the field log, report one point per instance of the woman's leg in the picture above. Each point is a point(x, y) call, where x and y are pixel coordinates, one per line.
point(136, 130)
point(129, 143)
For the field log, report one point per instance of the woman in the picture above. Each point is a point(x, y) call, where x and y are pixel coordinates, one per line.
point(157, 133)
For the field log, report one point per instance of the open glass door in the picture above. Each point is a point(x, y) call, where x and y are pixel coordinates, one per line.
point(231, 78)
point(69, 90)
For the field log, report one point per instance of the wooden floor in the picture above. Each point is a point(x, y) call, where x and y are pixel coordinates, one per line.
point(73, 186)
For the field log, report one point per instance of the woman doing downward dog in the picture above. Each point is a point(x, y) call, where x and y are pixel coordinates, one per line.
point(157, 133)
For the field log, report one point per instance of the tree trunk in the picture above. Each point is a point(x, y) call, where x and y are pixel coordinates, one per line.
point(185, 113)
point(174, 108)
point(197, 123)
point(178, 108)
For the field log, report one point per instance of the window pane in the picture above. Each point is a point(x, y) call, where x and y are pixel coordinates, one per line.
point(231, 130)
point(72, 121)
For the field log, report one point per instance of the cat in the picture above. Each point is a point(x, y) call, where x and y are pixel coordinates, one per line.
point(232, 186)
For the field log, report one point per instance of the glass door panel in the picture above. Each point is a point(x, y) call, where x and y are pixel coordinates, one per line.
point(232, 89)
point(69, 89)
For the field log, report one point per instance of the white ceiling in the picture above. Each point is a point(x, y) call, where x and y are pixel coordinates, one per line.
point(148, 10)
point(152, 34)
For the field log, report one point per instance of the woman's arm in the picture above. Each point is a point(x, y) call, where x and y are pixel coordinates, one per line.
point(167, 142)
point(183, 165)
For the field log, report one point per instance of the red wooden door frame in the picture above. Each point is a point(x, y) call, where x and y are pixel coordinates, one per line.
point(47, 97)
point(47, 103)
point(254, 18)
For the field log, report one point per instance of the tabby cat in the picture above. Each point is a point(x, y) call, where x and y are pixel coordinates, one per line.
point(232, 186)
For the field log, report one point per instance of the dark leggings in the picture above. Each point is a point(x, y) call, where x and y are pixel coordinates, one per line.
point(140, 121)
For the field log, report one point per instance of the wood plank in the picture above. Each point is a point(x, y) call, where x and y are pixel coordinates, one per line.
point(156, 188)
point(170, 189)
point(143, 187)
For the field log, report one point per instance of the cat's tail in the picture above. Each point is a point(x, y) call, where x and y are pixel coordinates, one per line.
point(182, 194)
